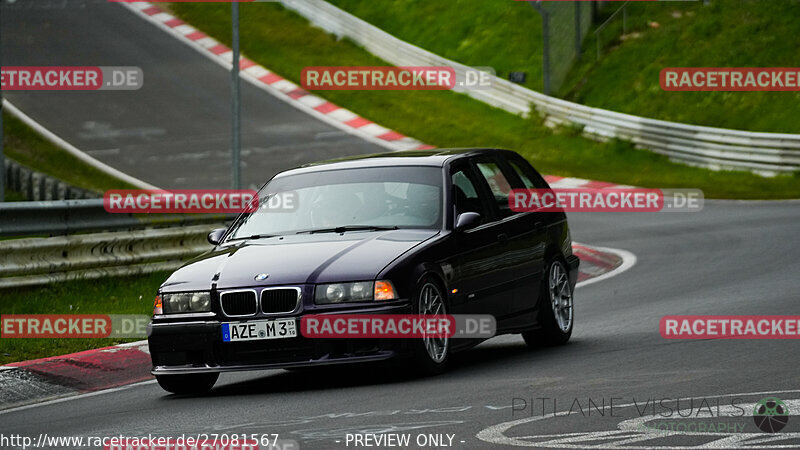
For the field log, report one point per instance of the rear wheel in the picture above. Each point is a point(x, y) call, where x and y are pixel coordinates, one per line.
point(430, 352)
point(195, 383)
point(556, 311)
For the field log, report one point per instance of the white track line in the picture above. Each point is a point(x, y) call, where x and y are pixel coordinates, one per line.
point(628, 261)
point(76, 397)
point(71, 149)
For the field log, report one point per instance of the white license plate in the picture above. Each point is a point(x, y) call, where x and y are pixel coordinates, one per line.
point(259, 329)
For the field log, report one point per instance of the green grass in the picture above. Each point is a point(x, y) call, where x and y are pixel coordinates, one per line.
point(729, 33)
point(505, 35)
point(24, 145)
point(13, 196)
point(120, 295)
point(284, 42)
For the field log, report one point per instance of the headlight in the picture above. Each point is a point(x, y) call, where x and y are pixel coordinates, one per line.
point(186, 302)
point(359, 291)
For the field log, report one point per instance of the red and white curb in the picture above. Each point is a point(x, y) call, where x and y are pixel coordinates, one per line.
point(599, 263)
point(275, 84)
point(557, 182)
point(43, 379)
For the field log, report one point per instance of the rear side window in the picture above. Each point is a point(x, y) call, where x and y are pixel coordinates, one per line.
point(529, 177)
point(522, 176)
point(498, 185)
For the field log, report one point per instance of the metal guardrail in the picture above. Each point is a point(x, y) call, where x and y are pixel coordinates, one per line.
point(35, 186)
point(715, 148)
point(128, 245)
point(35, 261)
point(81, 216)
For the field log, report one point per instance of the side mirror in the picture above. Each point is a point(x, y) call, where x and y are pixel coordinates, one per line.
point(467, 220)
point(215, 236)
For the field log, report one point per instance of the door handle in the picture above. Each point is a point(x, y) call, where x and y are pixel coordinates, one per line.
point(538, 225)
point(502, 238)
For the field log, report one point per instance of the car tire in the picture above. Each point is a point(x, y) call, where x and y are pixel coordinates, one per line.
point(430, 354)
point(195, 383)
point(556, 310)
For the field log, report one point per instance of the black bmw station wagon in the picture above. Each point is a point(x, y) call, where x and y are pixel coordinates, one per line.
point(422, 232)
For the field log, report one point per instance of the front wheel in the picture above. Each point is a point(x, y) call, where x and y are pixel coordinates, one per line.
point(195, 383)
point(430, 352)
point(556, 311)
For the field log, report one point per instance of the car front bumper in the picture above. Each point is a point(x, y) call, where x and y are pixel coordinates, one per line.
point(197, 347)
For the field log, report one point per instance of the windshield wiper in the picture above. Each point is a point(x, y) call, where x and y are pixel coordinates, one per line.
point(253, 237)
point(344, 228)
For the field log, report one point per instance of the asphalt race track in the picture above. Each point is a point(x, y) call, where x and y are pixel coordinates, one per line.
point(177, 126)
point(730, 258)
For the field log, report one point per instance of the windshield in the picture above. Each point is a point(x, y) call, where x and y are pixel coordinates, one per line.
point(377, 197)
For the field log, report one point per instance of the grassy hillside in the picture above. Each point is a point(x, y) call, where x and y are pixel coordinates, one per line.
point(505, 35)
point(728, 33)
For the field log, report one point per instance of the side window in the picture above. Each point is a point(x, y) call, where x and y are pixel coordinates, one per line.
point(498, 184)
point(465, 194)
point(522, 176)
point(529, 177)
point(461, 181)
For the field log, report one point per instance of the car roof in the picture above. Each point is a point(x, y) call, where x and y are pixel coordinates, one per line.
point(432, 158)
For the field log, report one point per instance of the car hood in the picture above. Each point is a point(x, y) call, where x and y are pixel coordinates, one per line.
point(296, 259)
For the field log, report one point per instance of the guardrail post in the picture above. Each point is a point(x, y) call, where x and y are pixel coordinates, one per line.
point(42, 194)
point(15, 178)
point(236, 144)
point(29, 184)
point(578, 37)
point(545, 46)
